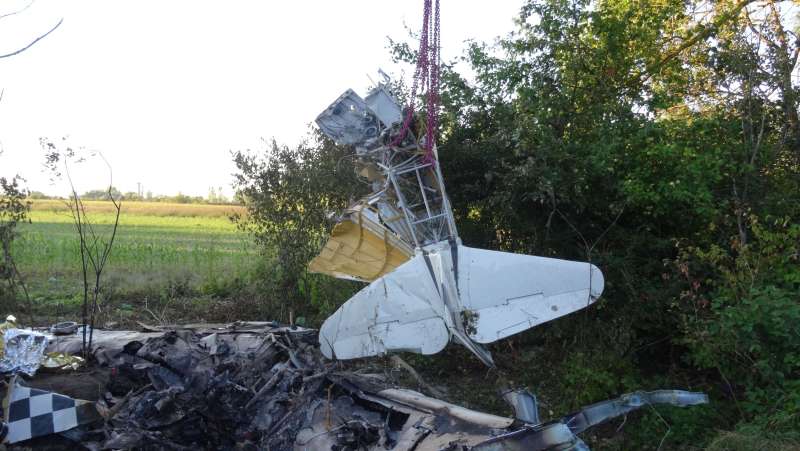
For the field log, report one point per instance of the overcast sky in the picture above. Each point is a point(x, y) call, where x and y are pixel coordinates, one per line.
point(165, 89)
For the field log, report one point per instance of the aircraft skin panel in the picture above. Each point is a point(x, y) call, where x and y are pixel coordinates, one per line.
point(359, 250)
point(495, 323)
point(504, 293)
point(393, 313)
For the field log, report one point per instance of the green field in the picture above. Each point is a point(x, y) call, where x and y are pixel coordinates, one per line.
point(161, 250)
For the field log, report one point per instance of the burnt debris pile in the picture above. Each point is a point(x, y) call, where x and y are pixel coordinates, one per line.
point(263, 386)
point(223, 390)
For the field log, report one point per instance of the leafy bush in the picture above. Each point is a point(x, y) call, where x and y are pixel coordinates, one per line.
point(14, 209)
point(290, 194)
point(745, 322)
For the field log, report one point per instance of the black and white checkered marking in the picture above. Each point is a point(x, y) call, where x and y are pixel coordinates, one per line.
point(34, 413)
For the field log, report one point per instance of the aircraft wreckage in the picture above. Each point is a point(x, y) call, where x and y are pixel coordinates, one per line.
point(425, 287)
point(254, 386)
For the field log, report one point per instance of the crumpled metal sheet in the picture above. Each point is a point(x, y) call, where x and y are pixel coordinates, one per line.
point(349, 120)
point(65, 328)
point(9, 323)
point(224, 389)
point(23, 351)
point(525, 405)
point(360, 248)
point(562, 434)
point(605, 410)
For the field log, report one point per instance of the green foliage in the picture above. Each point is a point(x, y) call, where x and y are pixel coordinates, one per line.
point(14, 209)
point(744, 323)
point(290, 194)
point(750, 441)
point(589, 378)
point(652, 138)
point(102, 194)
point(679, 428)
point(324, 294)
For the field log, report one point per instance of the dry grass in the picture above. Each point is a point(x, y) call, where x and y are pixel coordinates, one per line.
point(734, 441)
point(163, 209)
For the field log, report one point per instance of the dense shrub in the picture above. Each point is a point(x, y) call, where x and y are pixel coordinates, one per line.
point(744, 324)
point(290, 195)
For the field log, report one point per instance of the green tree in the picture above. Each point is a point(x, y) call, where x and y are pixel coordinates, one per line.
point(102, 194)
point(291, 195)
point(14, 209)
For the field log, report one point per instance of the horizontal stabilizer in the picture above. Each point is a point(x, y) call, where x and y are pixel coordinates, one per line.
point(503, 293)
point(449, 290)
point(393, 313)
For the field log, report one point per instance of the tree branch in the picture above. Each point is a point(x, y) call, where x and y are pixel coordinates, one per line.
point(17, 52)
point(702, 32)
point(17, 11)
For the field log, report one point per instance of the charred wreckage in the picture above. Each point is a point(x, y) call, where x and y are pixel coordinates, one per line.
point(257, 386)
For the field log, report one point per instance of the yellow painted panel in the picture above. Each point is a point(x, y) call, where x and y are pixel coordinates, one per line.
point(355, 252)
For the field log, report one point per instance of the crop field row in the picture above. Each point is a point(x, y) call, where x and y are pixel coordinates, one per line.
point(161, 209)
point(158, 247)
